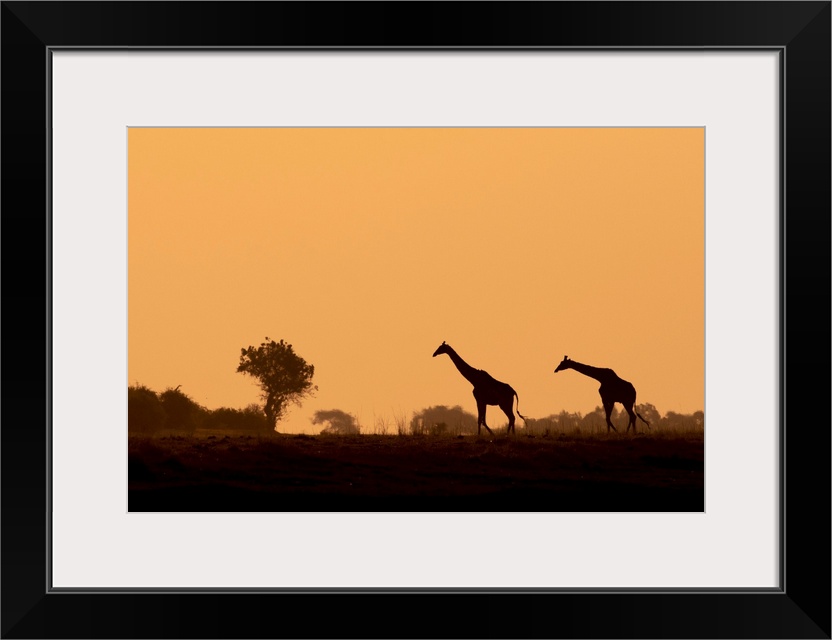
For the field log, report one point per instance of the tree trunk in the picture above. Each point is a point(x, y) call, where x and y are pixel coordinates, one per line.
point(271, 411)
point(270, 417)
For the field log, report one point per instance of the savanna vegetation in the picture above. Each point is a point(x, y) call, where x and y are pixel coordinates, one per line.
point(173, 412)
point(284, 377)
point(185, 457)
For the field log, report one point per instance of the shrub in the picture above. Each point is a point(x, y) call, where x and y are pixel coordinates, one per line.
point(251, 419)
point(338, 422)
point(683, 423)
point(181, 412)
point(439, 420)
point(145, 414)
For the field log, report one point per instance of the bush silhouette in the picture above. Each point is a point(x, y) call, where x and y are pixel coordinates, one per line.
point(145, 414)
point(181, 412)
point(337, 422)
point(249, 420)
point(439, 420)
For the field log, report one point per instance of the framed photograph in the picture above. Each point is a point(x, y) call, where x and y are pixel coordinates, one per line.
point(545, 197)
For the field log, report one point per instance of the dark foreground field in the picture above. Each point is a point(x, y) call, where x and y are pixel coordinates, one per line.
point(392, 473)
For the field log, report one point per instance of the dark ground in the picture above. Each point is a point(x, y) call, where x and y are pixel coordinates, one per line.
point(393, 473)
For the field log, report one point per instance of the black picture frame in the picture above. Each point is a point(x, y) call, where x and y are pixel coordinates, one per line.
point(800, 608)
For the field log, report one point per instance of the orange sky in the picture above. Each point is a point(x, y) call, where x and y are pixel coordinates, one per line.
point(366, 248)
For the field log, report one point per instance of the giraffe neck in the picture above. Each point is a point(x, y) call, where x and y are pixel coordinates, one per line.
point(593, 372)
point(468, 372)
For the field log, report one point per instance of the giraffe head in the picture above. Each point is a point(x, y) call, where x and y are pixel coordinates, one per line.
point(566, 363)
point(443, 348)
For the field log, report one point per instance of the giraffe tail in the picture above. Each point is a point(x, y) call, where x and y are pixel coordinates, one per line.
point(518, 408)
point(642, 419)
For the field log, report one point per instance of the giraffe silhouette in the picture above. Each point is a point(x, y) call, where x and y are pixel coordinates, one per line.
point(487, 390)
point(613, 389)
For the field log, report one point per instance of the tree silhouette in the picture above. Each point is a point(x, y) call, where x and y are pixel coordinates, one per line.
point(456, 420)
point(283, 375)
point(338, 422)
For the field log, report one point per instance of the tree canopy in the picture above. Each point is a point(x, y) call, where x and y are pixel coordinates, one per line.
point(338, 422)
point(284, 376)
point(440, 419)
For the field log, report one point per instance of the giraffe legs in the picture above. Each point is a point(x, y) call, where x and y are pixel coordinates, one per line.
point(632, 415)
point(608, 410)
point(481, 417)
point(508, 410)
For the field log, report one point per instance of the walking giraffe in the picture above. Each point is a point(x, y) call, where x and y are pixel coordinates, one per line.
point(487, 390)
point(613, 389)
